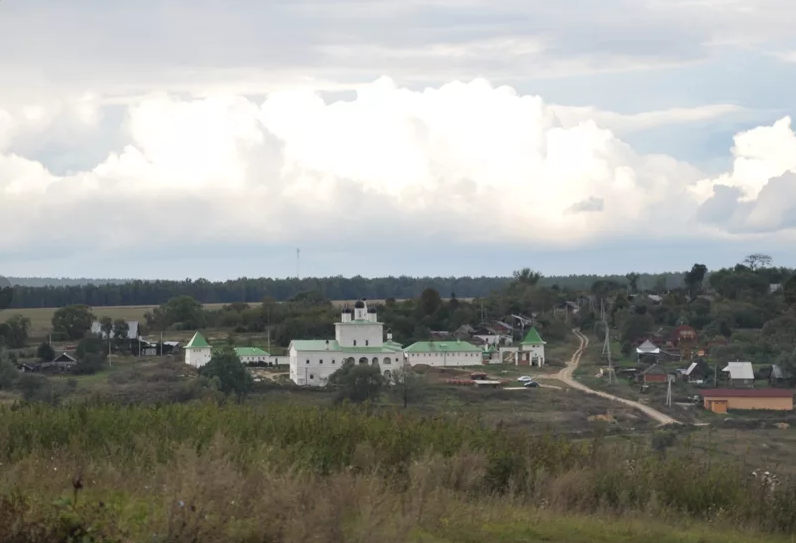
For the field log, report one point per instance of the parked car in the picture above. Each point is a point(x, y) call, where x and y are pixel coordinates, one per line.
point(525, 379)
point(531, 384)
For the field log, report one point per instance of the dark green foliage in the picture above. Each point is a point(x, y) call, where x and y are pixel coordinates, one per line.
point(357, 382)
point(14, 332)
point(73, 321)
point(45, 352)
point(227, 373)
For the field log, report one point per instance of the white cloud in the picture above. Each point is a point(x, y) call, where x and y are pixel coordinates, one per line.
point(465, 162)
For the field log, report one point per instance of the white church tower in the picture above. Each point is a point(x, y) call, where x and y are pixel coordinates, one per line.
point(197, 352)
point(359, 328)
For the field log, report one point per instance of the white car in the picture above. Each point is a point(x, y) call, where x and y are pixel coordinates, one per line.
point(525, 379)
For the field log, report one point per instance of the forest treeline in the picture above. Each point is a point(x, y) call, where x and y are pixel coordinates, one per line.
point(108, 292)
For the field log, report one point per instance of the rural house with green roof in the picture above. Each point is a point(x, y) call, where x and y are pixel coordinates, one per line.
point(197, 351)
point(359, 339)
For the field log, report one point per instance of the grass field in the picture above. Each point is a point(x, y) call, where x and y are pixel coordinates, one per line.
point(206, 473)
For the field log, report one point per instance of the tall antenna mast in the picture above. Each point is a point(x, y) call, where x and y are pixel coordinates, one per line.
point(298, 261)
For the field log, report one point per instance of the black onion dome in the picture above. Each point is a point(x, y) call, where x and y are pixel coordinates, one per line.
point(347, 310)
point(359, 305)
point(371, 310)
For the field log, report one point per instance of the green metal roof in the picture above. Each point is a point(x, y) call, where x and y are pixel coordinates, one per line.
point(250, 351)
point(532, 338)
point(319, 345)
point(442, 347)
point(361, 321)
point(198, 341)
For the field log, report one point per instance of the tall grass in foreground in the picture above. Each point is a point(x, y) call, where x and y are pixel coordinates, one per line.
point(238, 473)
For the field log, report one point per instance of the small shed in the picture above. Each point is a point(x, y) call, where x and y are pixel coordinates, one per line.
point(654, 374)
point(740, 373)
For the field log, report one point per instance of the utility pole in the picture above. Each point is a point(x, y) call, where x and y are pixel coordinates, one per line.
point(607, 345)
point(669, 391)
point(298, 261)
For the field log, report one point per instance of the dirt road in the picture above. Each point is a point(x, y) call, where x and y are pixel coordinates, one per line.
point(566, 377)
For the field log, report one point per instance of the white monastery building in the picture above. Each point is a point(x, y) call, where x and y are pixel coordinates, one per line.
point(198, 351)
point(444, 353)
point(359, 339)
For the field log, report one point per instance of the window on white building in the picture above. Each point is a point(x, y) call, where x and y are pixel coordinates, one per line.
point(320, 361)
point(333, 361)
point(355, 343)
point(367, 342)
point(308, 361)
point(312, 376)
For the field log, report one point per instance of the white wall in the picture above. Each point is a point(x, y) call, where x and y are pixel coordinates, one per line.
point(198, 357)
point(535, 350)
point(365, 335)
point(314, 368)
point(469, 358)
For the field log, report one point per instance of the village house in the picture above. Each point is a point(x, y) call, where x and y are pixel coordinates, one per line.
point(359, 339)
point(647, 349)
point(723, 400)
point(132, 330)
point(685, 339)
point(740, 373)
point(61, 363)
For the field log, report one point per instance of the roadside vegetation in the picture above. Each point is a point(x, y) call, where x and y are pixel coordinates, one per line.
point(209, 472)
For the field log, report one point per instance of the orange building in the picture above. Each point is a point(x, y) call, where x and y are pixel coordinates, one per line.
point(722, 400)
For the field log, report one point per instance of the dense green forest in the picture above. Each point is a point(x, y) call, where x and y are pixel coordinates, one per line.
point(107, 292)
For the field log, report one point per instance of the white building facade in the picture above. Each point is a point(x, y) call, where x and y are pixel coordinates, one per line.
point(197, 351)
point(444, 353)
point(359, 339)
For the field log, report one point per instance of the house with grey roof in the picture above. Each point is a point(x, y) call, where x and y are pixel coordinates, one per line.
point(740, 373)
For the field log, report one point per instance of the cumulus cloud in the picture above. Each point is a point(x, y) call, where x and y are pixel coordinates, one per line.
point(461, 162)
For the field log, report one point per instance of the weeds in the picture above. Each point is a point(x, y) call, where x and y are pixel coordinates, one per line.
point(205, 472)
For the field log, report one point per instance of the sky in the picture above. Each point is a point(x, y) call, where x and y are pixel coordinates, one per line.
point(174, 139)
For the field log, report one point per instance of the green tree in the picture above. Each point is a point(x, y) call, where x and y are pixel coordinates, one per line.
point(430, 302)
point(410, 385)
point(73, 321)
point(636, 326)
point(527, 277)
point(8, 372)
point(694, 278)
point(45, 352)
point(632, 281)
point(121, 329)
point(106, 326)
point(357, 383)
point(227, 370)
point(92, 355)
point(757, 261)
point(16, 331)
